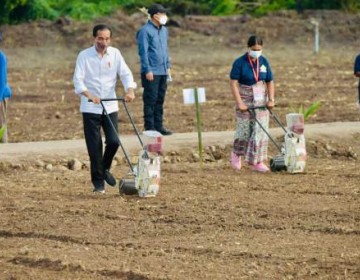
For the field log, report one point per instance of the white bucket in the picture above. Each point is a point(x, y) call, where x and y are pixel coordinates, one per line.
point(295, 153)
point(153, 141)
point(295, 123)
point(147, 180)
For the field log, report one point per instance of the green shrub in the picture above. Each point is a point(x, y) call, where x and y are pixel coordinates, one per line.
point(91, 9)
point(350, 5)
point(14, 11)
point(225, 7)
point(275, 5)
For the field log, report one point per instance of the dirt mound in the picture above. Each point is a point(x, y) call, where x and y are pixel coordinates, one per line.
point(317, 149)
point(67, 32)
point(278, 27)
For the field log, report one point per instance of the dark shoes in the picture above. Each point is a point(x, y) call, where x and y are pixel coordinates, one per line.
point(99, 189)
point(109, 178)
point(164, 131)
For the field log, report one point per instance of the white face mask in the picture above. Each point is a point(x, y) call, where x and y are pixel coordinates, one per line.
point(163, 20)
point(255, 54)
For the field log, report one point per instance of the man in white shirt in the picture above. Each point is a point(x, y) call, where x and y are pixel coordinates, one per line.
point(95, 77)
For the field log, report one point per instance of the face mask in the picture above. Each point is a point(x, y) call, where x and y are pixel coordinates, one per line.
point(163, 20)
point(101, 47)
point(255, 54)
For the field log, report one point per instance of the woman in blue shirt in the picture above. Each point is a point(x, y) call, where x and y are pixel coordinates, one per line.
point(251, 85)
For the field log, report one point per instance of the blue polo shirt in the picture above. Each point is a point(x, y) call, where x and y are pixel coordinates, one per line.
point(5, 91)
point(153, 49)
point(357, 69)
point(243, 72)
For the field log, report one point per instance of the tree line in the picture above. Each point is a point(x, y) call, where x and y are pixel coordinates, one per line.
point(17, 11)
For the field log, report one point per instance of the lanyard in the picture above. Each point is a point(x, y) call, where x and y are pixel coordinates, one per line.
point(256, 74)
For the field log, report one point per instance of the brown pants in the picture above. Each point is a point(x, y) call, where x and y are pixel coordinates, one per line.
point(3, 120)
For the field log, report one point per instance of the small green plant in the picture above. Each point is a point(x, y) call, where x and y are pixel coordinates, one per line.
point(309, 111)
point(2, 132)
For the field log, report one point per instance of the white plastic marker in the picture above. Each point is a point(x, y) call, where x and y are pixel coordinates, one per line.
point(316, 24)
point(189, 95)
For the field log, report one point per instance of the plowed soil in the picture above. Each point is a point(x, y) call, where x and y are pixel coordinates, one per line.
point(208, 221)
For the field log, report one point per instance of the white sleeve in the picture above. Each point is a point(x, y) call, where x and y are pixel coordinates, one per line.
point(125, 74)
point(79, 75)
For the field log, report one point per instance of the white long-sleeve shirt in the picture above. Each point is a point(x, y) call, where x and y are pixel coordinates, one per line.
point(98, 75)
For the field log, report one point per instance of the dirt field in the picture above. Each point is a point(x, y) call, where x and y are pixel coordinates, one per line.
point(207, 222)
point(42, 75)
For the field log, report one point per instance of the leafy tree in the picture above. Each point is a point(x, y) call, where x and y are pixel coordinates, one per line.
point(33, 10)
point(274, 5)
point(225, 7)
point(15, 11)
point(7, 6)
point(350, 5)
point(90, 9)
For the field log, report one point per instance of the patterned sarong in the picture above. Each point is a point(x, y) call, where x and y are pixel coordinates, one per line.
point(250, 140)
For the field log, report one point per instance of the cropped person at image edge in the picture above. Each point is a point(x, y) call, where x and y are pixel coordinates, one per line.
point(5, 93)
point(357, 74)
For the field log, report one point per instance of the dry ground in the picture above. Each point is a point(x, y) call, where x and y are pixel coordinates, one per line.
point(206, 223)
point(44, 106)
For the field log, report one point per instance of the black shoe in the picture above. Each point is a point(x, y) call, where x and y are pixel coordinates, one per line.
point(109, 178)
point(99, 189)
point(164, 131)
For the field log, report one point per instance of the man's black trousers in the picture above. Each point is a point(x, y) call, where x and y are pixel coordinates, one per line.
point(100, 162)
point(153, 98)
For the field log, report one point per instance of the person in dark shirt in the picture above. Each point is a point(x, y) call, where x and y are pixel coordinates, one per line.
point(357, 74)
point(252, 85)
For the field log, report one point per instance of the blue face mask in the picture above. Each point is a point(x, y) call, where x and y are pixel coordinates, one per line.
point(255, 54)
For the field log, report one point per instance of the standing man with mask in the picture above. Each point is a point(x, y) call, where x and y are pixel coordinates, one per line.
point(95, 77)
point(5, 92)
point(152, 41)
